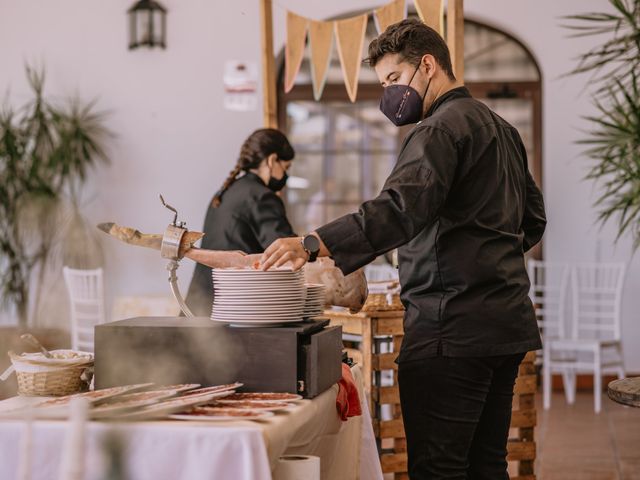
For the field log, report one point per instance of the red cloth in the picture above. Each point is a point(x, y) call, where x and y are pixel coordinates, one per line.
point(348, 400)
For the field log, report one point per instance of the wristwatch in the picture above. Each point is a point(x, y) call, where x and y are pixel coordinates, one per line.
point(311, 245)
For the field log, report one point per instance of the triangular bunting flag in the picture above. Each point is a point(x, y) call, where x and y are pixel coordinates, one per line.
point(389, 14)
point(320, 43)
point(349, 39)
point(294, 49)
point(431, 12)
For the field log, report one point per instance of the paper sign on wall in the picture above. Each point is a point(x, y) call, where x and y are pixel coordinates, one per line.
point(240, 86)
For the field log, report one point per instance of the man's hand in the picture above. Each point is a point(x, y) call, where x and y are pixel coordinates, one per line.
point(285, 250)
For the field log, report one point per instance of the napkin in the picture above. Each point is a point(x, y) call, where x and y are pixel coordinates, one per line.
point(348, 400)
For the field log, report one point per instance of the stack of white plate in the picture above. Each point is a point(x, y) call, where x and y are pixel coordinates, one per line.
point(314, 302)
point(248, 297)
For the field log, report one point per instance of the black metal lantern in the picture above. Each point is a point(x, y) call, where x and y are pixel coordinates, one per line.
point(147, 25)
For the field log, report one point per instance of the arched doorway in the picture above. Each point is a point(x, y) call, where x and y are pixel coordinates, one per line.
point(345, 150)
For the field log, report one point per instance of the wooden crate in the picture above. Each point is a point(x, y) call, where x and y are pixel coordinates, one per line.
point(390, 435)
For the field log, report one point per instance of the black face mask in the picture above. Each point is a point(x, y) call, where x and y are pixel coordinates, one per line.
point(278, 184)
point(402, 104)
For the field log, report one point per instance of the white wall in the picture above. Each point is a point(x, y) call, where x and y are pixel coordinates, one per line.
point(175, 138)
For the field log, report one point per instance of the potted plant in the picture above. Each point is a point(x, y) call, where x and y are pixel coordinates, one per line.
point(46, 151)
point(613, 141)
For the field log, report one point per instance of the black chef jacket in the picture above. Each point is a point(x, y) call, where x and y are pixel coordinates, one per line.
point(250, 218)
point(463, 208)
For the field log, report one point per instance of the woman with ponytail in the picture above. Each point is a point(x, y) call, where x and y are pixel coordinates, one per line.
point(246, 214)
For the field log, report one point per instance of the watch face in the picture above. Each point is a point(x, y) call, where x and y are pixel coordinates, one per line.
point(311, 243)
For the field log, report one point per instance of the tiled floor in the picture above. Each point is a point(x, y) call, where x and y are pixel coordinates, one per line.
point(575, 443)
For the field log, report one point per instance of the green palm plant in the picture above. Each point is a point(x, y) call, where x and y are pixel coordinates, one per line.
point(45, 154)
point(613, 141)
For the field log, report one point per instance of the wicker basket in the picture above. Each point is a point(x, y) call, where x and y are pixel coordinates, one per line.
point(39, 376)
point(383, 296)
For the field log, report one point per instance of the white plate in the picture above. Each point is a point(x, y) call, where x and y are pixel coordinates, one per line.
point(254, 324)
point(261, 292)
point(256, 319)
point(266, 300)
point(253, 270)
point(252, 405)
point(266, 397)
point(245, 287)
point(260, 273)
point(267, 296)
point(94, 396)
point(163, 409)
point(257, 415)
point(257, 323)
point(257, 312)
point(258, 278)
point(258, 289)
point(254, 310)
point(239, 282)
point(183, 387)
point(118, 407)
point(231, 387)
point(241, 307)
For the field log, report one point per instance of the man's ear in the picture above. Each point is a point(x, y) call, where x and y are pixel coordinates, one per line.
point(428, 61)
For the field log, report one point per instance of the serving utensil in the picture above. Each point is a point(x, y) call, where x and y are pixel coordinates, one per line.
point(33, 341)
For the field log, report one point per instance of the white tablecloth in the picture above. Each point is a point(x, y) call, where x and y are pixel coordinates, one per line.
point(176, 450)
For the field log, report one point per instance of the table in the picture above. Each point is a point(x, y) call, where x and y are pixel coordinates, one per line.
point(242, 450)
point(625, 391)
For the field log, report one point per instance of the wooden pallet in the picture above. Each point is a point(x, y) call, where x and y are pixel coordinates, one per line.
point(522, 446)
point(390, 433)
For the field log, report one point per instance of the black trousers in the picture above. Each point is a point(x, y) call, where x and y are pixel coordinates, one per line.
point(456, 414)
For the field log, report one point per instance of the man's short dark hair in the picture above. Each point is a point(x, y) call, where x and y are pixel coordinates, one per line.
point(411, 39)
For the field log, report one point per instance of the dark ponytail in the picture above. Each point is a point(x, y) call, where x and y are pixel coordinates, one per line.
point(258, 146)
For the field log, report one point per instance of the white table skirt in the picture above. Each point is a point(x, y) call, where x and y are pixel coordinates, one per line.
point(175, 450)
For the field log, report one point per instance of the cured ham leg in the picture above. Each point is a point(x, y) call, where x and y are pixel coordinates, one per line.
point(344, 291)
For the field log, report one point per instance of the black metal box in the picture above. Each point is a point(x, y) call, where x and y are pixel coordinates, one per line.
point(302, 358)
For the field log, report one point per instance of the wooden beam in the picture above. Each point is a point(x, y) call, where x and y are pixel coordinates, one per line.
point(268, 66)
point(455, 37)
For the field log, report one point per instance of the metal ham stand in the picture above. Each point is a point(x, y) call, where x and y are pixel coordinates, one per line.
point(170, 249)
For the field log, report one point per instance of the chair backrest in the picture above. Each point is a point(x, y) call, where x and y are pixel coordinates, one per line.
point(548, 293)
point(86, 296)
point(380, 273)
point(597, 300)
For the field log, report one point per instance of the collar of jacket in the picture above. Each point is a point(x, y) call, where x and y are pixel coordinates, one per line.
point(253, 177)
point(458, 92)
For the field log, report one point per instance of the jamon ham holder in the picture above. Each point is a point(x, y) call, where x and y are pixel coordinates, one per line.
point(345, 291)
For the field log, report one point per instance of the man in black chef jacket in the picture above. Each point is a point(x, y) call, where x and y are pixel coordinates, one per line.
point(462, 208)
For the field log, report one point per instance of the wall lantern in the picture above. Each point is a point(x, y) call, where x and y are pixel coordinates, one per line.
point(147, 25)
